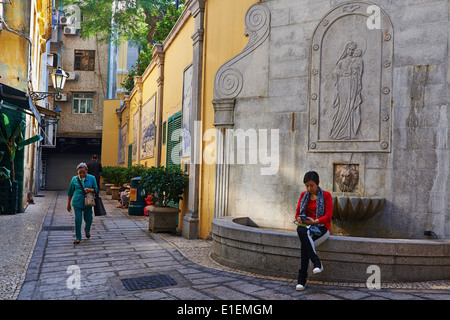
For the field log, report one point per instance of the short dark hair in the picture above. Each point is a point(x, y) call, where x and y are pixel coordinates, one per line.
point(94, 157)
point(311, 176)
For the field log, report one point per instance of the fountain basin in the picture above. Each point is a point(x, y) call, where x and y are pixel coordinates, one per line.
point(356, 208)
point(239, 243)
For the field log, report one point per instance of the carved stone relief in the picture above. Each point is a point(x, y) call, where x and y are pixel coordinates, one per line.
point(228, 81)
point(346, 177)
point(351, 81)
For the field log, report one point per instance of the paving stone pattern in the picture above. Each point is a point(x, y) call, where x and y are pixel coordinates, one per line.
point(121, 247)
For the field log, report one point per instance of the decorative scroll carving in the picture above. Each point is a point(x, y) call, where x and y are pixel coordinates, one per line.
point(228, 81)
point(351, 81)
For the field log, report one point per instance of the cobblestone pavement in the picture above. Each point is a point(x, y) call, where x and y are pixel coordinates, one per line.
point(121, 248)
point(18, 234)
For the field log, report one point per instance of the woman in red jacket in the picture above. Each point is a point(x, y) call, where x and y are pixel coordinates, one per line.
point(313, 217)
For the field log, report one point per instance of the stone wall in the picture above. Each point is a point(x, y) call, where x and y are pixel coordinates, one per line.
point(356, 84)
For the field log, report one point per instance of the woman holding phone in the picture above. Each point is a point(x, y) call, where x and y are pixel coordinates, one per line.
point(313, 217)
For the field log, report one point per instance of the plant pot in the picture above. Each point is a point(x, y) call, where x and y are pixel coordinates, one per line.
point(115, 193)
point(108, 188)
point(162, 219)
point(8, 197)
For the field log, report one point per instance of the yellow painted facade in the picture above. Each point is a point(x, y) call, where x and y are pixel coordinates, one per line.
point(178, 56)
point(110, 133)
point(223, 38)
point(25, 28)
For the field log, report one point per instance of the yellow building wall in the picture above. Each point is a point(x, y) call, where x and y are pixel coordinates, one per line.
point(13, 62)
point(110, 135)
point(26, 17)
point(178, 56)
point(122, 63)
point(223, 39)
point(20, 53)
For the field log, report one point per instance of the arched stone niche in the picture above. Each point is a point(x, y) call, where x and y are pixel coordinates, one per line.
point(351, 80)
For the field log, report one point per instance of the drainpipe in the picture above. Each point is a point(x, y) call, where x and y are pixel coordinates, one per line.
point(112, 62)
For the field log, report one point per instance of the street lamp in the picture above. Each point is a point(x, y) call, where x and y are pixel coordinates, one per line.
point(58, 79)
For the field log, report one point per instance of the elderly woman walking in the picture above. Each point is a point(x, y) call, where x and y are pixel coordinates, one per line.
point(75, 195)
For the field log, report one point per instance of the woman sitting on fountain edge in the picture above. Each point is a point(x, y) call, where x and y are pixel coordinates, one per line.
point(313, 217)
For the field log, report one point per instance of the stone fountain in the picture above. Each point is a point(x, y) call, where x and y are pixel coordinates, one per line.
point(371, 120)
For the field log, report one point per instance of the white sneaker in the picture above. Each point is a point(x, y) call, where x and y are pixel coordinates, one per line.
point(300, 287)
point(318, 270)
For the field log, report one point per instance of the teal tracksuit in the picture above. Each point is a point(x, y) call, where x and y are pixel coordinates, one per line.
point(81, 211)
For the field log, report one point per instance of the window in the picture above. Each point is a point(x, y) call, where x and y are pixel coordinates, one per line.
point(84, 60)
point(174, 140)
point(82, 102)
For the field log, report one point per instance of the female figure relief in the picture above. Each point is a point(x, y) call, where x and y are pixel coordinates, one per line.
point(347, 99)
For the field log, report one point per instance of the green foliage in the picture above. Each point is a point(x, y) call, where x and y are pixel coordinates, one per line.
point(128, 83)
point(166, 184)
point(166, 23)
point(133, 20)
point(106, 173)
point(4, 172)
point(115, 175)
point(137, 170)
point(13, 139)
point(120, 175)
point(159, 33)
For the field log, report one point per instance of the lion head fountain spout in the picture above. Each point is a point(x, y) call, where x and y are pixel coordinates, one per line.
point(352, 207)
point(347, 177)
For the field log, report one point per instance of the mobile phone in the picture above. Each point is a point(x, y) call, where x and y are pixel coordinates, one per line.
point(303, 217)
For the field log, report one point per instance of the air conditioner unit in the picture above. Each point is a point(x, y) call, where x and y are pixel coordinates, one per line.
point(71, 76)
point(64, 20)
point(64, 97)
point(70, 30)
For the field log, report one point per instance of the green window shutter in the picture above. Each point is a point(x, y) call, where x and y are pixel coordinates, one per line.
point(130, 154)
point(174, 144)
point(164, 131)
point(174, 140)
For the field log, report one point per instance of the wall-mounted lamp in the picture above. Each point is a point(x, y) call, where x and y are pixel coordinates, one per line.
point(58, 80)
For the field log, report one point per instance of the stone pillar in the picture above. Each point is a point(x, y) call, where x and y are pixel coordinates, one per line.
point(158, 55)
point(190, 220)
point(138, 85)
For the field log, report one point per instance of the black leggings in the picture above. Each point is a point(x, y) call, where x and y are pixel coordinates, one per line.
point(308, 251)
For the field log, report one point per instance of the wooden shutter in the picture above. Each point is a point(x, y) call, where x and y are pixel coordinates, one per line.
point(174, 140)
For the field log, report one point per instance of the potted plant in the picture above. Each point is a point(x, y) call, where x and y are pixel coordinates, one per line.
point(13, 140)
point(166, 185)
point(134, 171)
point(106, 175)
point(118, 178)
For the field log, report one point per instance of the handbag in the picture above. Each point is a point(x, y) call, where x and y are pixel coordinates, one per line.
point(99, 209)
point(89, 197)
